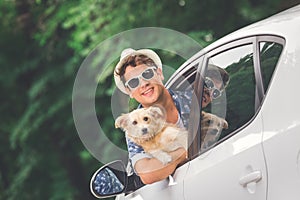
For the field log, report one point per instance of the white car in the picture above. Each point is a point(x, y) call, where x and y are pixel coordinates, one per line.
point(258, 156)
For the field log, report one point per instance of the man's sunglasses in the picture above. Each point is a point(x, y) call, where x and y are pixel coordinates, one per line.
point(135, 82)
point(209, 84)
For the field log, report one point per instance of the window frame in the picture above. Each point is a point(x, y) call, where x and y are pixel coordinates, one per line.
point(194, 128)
point(274, 39)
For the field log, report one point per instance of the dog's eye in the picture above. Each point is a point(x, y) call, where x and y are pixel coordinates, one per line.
point(134, 122)
point(146, 119)
point(208, 121)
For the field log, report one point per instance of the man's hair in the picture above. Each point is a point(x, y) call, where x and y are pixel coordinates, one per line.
point(134, 60)
point(219, 74)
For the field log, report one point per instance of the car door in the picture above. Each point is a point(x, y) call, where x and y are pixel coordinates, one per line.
point(233, 166)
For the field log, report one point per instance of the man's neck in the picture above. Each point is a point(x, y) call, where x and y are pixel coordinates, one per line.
point(168, 104)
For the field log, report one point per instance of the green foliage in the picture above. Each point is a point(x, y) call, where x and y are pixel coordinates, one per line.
point(43, 43)
point(268, 60)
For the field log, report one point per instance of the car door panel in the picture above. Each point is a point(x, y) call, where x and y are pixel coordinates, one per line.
point(221, 172)
point(281, 139)
point(163, 190)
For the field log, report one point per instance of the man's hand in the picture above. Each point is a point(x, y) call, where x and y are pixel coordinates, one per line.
point(152, 170)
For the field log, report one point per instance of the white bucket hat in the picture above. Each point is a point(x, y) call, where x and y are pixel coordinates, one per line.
point(131, 52)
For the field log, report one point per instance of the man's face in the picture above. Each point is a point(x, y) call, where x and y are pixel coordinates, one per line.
point(207, 93)
point(148, 91)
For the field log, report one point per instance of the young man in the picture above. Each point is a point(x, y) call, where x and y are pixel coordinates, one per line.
point(139, 74)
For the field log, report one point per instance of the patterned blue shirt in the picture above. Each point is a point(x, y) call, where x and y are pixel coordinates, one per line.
point(182, 101)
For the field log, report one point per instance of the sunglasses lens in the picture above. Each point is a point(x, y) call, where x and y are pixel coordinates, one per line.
point(209, 83)
point(216, 93)
point(148, 74)
point(133, 83)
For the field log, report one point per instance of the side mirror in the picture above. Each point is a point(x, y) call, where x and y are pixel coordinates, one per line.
point(110, 180)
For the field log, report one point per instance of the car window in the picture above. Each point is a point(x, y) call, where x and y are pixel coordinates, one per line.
point(240, 100)
point(236, 105)
point(269, 54)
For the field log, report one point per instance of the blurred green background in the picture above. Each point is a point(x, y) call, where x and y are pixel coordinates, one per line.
point(44, 42)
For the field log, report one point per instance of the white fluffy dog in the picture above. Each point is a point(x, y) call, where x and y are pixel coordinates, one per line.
point(147, 127)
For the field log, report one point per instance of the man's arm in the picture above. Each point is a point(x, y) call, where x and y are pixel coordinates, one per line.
point(152, 170)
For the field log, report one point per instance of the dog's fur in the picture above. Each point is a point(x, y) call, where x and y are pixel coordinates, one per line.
point(211, 128)
point(147, 127)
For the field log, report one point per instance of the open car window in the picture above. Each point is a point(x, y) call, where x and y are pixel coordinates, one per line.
point(250, 64)
point(250, 67)
point(237, 103)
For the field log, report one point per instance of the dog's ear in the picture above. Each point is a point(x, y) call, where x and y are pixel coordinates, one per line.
point(202, 114)
point(121, 121)
point(225, 124)
point(157, 112)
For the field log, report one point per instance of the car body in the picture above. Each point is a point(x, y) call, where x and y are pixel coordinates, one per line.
point(258, 156)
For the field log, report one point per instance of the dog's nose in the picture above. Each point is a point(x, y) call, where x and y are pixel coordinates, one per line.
point(144, 131)
point(213, 131)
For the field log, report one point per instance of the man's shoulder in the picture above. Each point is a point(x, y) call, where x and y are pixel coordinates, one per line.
point(183, 98)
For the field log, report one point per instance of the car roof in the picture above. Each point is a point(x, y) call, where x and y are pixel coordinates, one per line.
point(285, 24)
